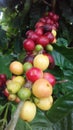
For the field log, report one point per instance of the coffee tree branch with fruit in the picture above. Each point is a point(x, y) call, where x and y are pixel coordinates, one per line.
point(36, 66)
point(30, 82)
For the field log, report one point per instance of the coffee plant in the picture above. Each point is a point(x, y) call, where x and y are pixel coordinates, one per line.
point(36, 47)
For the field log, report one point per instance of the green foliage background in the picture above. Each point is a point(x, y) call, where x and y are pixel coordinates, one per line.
point(18, 17)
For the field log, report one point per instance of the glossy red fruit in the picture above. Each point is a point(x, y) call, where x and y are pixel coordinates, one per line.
point(33, 74)
point(34, 36)
point(56, 25)
point(29, 33)
point(43, 40)
point(50, 14)
point(39, 24)
point(55, 17)
point(49, 21)
point(28, 44)
point(50, 36)
point(50, 77)
point(39, 31)
point(42, 20)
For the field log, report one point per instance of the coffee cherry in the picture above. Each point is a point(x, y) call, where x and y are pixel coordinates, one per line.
point(50, 77)
point(33, 74)
point(47, 28)
point(50, 36)
point(38, 47)
point(28, 58)
point(28, 44)
point(43, 40)
point(39, 31)
point(49, 47)
point(27, 66)
point(55, 17)
point(29, 33)
point(34, 36)
point(42, 20)
point(50, 14)
point(39, 24)
point(51, 61)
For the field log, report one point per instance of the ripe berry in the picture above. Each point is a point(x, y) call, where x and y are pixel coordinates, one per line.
point(43, 40)
point(49, 21)
point(34, 36)
point(50, 14)
point(33, 74)
point(55, 17)
point(28, 44)
point(50, 36)
point(50, 77)
point(39, 31)
point(29, 33)
point(42, 20)
point(39, 24)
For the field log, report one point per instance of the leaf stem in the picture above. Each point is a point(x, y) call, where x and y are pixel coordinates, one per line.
point(28, 126)
point(62, 81)
point(5, 115)
point(14, 119)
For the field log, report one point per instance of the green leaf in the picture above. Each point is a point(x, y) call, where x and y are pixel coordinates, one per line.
point(65, 124)
point(62, 42)
point(3, 40)
point(41, 122)
point(4, 64)
point(65, 52)
point(61, 108)
point(61, 60)
point(20, 125)
point(64, 69)
point(1, 109)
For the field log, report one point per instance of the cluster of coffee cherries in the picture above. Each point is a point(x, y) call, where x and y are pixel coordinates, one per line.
point(30, 80)
point(44, 34)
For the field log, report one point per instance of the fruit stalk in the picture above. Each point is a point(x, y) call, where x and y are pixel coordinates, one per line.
point(53, 5)
point(12, 124)
point(27, 6)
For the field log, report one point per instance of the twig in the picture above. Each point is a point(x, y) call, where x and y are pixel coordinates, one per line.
point(61, 81)
point(45, 2)
point(14, 119)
